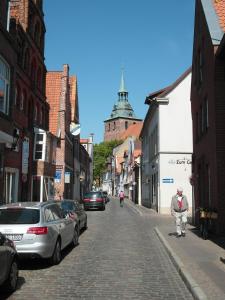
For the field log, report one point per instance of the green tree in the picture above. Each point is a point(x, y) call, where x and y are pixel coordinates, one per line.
point(101, 152)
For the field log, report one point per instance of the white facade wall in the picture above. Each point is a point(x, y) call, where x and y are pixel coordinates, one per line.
point(171, 166)
point(175, 120)
point(175, 144)
point(175, 171)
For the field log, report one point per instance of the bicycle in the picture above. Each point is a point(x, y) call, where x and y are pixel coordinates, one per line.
point(206, 223)
point(204, 227)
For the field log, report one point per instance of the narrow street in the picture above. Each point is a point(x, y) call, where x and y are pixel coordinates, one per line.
point(118, 257)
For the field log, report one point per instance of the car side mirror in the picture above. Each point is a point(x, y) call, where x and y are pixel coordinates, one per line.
point(2, 239)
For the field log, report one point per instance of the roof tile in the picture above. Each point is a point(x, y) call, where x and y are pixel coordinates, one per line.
point(220, 11)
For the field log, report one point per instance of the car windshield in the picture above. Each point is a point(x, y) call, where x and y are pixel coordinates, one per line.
point(94, 194)
point(19, 216)
point(67, 206)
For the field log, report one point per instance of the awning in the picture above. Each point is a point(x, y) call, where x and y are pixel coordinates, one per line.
point(5, 138)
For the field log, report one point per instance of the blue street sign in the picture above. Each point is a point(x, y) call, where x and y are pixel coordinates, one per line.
point(58, 176)
point(168, 180)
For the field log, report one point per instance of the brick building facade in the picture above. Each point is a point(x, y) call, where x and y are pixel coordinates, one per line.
point(28, 166)
point(61, 91)
point(208, 109)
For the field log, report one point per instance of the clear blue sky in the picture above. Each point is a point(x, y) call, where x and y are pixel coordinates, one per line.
point(151, 39)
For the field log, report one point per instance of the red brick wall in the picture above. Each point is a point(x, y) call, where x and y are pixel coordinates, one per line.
point(116, 127)
point(209, 147)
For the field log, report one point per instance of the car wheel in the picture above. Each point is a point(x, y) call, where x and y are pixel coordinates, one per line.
point(75, 237)
point(11, 282)
point(103, 207)
point(56, 256)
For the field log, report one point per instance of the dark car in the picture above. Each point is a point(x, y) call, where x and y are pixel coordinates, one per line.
point(105, 193)
point(94, 200)
point(75, 210)
point(8, 264)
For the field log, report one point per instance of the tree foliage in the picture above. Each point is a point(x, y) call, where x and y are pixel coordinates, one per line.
point(101, 152)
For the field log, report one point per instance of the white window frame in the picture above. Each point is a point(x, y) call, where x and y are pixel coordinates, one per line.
point(5, 77)
point(8, 17)
point(12, 172)
point(43, 143)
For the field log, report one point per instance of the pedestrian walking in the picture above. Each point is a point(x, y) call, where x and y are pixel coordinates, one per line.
point(121, 196)
point(179, 209)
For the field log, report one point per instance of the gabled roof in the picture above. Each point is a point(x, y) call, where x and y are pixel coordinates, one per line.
point(132, 131)
point(84, 141)
point(156, 93)
point(213, 11)
point(53, 90)
point(74, 99)
point(220, 11)
point(165, 91)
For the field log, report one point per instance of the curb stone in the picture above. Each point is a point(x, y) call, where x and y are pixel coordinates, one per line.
point(193, 287)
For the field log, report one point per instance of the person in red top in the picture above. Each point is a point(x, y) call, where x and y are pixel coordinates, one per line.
point(179, 209)
point(121, 196)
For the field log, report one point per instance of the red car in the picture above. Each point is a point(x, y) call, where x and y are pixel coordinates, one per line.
point(94, 200)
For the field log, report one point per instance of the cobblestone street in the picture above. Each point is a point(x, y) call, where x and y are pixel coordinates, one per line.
point(119, 257)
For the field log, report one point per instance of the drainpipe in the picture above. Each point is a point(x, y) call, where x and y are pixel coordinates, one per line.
point(139, 185)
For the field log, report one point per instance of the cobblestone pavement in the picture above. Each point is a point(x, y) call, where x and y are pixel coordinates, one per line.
point(118, 258)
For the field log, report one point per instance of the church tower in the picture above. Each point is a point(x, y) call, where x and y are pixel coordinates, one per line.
point(122, 115)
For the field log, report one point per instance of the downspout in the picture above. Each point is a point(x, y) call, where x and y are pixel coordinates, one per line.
point(139, 183)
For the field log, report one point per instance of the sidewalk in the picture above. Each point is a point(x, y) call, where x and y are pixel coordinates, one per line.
point(197, 260)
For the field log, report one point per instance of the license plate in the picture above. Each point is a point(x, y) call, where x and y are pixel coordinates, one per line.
point(92, 200)
point(14, 237)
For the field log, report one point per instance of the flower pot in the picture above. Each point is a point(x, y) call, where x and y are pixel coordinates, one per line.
point(214, 215)
point(203, 214)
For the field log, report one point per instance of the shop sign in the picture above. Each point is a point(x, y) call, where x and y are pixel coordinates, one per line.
point(25, 156)
point(67, 177)
point(58, 175)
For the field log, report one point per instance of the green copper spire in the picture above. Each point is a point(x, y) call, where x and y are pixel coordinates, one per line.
point(122, 84)
point(122, 109)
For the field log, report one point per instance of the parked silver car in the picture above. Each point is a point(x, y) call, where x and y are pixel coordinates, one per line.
point(75, 210)
point(38, 229)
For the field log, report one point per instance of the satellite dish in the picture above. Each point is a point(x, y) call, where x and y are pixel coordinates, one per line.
point(74, 129)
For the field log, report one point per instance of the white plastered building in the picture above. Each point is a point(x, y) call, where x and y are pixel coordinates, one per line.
point(167, 145)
